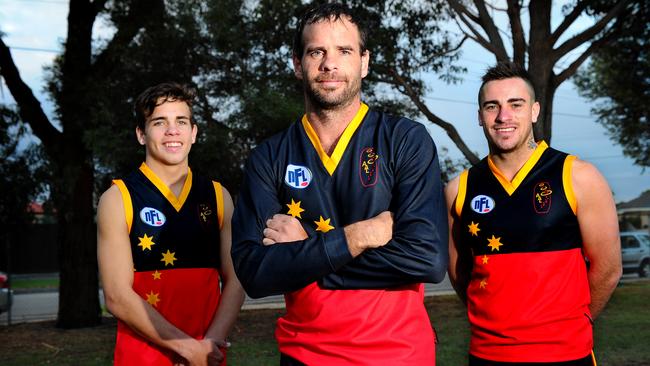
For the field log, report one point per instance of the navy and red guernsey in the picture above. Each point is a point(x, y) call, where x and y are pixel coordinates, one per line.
point(175, 249)
point(343, 311)
point(528, 296)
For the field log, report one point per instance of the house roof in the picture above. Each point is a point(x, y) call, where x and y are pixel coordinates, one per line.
point(641, 203)
point(35, 208)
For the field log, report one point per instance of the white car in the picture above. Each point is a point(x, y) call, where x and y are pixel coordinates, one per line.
point(635, 250)
point(5, 293)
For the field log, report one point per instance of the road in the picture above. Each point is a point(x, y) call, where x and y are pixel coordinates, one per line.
point(39, 306)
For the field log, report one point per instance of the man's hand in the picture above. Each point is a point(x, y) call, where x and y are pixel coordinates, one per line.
point(283, 229)
point(203, 352)
point(372, 233)
point(216, 357)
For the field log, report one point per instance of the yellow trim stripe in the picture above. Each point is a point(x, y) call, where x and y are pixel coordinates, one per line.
point(462, 191)
point(567, 182)
point(593, 358)
point(510, 187)
point(126, 199)
point(218, 192)
point(177, 202)
point(332, 162)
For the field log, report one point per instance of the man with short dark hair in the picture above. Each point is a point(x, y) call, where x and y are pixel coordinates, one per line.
point(522, 220)
point(163, 238)
point(312, 221)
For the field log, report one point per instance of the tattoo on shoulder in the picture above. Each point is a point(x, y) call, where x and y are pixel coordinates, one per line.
point(532, 144)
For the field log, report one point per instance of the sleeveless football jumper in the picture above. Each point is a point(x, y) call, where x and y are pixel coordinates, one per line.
point(175, 247)
point(528, 296)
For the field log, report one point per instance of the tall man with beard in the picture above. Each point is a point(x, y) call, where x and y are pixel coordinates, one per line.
point(343, 213)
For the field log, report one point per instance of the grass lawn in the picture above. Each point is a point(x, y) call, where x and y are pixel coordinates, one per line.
point(622, 335)
point(18, 284)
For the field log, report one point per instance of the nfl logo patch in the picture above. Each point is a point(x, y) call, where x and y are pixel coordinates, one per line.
point(152, 217)
point(297, 176)
point(482, 204)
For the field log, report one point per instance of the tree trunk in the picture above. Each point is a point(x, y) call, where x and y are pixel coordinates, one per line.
point(78, 292)
point(540, 66)
point(542, 76)
point(79, 287)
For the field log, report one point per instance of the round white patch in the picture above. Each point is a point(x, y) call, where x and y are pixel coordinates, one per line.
point(297, 176)
point(482, 204)
point(152, 217)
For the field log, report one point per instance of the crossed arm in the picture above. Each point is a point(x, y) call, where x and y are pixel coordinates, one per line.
point(362, 235)
point(275, 255)
point(349, 257)
point(116, 271)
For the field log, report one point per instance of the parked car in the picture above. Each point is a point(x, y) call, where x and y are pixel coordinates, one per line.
point(635, 250)
point(5, 293)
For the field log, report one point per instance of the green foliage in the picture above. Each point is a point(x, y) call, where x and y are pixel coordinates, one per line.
point(618, 81)
point(23, 178)
point(22, 173)
point(240, 62)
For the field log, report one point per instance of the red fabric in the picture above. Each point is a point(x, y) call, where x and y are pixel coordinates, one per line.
point(357, 327)
point(188, 299)
point(530, 307)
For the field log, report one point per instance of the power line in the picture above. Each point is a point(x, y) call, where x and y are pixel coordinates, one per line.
point(602, 157)
point(474, 104)
point(451, 100)
point(44, 1)
point(34, 49)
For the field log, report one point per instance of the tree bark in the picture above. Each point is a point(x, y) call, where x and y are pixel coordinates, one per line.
point(79, 287)
point(78, 292)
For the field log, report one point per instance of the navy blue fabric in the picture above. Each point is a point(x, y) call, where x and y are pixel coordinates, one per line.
point(191, 233)
point(518, 218)
point(406, 181)
point(585, 361)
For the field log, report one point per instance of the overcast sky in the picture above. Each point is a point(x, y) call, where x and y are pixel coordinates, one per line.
point(36, 28)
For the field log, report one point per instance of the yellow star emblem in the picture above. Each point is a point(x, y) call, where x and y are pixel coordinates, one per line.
point(152, 298)
point(483, 283)
point(485, 259)
point(323, 225)
point(156, 275)
point(295, 209)
point(494, 243)
point(473, 229)
point(146, 242)
point(168, 258)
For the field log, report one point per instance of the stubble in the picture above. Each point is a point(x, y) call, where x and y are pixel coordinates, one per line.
point(324, 100)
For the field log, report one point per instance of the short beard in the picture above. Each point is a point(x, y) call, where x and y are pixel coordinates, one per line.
point(324, 102)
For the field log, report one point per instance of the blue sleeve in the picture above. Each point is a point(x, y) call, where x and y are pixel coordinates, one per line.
point(280, 268)
point(418, 251)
